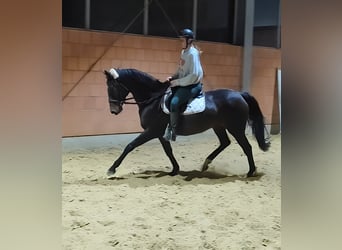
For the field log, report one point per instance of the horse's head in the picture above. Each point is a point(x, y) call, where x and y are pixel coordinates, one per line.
point(117, 92)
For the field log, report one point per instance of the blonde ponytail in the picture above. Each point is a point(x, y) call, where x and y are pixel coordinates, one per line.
point(198, 48)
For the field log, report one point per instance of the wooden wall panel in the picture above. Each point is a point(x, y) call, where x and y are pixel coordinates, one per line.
point(87, 53)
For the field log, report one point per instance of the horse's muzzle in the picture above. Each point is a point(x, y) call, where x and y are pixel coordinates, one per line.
point(115, 109)
point(115, 112)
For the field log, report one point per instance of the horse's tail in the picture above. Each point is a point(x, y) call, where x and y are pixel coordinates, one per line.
point(256, 120)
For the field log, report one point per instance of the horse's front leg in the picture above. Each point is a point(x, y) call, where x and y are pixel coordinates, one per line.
point(168, 150)
point(141, 139)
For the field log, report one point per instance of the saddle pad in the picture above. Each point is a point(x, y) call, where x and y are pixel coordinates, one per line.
point(195, 105)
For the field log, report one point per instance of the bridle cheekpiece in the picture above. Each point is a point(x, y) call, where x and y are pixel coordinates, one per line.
point(115, 75)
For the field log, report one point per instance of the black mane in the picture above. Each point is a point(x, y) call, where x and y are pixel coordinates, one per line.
point(138, 77)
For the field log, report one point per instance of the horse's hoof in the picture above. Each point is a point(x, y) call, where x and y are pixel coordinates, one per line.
point(205, 165)
point(251, 174)
point(204, 168)
point(110, 172)
point(173, 173)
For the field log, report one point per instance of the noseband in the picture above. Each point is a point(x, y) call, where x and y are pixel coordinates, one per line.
point(124, 101)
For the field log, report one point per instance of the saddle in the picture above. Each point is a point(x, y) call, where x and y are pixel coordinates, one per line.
point(194, 105)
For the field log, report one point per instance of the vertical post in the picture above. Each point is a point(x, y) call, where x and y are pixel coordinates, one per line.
point(146, 17)
point(248, 46)
point(194, 17)
point(235, 27)
point(279, 27)
point(279, 95)
point(87, 14)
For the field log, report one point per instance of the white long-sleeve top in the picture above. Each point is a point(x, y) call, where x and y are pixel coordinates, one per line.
point(190, 69)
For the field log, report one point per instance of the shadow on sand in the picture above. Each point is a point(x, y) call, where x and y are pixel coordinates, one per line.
point(149, 178)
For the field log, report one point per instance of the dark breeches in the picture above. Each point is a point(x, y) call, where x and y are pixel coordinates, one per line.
point(181, 95)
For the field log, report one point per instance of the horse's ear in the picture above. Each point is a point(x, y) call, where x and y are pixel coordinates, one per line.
point(108, 75)
point(111, 74)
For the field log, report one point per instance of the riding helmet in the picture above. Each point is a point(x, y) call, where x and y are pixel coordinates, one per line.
point(187, 33)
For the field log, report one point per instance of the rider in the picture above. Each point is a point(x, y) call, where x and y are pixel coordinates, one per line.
point(186, 82)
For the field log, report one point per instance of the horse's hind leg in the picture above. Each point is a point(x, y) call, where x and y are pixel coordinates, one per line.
point(224, 142)
point(168, 150)
point(247, 149)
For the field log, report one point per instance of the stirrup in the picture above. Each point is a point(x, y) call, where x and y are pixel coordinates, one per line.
point(167, 135)
point(173, 135)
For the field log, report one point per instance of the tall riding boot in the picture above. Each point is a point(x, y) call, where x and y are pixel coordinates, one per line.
point(173, 124)
point(170, 132)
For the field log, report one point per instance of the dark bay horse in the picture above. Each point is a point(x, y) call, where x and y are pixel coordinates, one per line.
point(225, 110)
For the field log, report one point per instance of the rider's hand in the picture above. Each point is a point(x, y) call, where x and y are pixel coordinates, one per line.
point(169, 79)
point(173, 84)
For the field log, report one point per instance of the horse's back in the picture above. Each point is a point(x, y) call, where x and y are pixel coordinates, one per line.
point(226, 99)
point(225, 108)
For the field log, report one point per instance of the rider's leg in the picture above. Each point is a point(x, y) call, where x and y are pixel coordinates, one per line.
point(196, 90)
point(181, 96)
point(170, 133)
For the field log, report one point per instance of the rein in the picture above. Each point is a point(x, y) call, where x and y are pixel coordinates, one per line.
point(126, 100)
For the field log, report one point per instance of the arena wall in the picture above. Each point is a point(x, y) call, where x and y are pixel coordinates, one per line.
point(87, 53)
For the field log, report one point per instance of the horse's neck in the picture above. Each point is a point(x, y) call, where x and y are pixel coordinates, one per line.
point(145, 97)
point(142, 86)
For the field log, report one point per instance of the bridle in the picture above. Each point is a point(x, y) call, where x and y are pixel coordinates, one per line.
point(126, 100)
point(121, 87)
